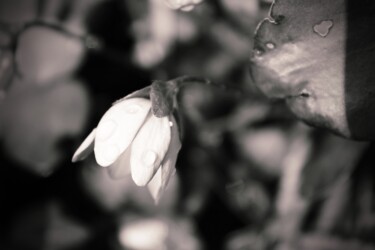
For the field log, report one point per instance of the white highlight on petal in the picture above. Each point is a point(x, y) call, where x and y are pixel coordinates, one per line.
point(132, 109)
point(149, 148)
point(85, 148)
point(106, 130)
point(127, 124)
point(111, 153)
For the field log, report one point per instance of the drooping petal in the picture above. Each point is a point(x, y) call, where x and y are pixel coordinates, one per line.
point(155, 186)
point(118, 127)
point(85, 148)
point(168, 166)
point(121, 167)
point(169, 161)
point(149, 148)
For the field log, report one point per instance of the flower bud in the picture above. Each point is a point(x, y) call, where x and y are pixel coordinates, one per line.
point(131, 139)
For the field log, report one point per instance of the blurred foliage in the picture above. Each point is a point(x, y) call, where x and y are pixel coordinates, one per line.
point(249, 175)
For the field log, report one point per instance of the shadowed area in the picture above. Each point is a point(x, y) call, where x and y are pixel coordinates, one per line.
point(359, 68)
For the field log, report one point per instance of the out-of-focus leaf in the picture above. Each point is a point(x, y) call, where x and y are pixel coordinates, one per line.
point(244, 11)
point(332, 158)
point(47, 227)
point(249, 199)
point(6, 70)
point(35, 118)
point(44, 54)
point(18, 11)
point(323, 242)
point(205, 103)
point(266, 147)
point(245, 239)
point(155, 34)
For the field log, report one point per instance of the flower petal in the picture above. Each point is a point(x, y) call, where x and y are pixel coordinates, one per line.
point(121, 167)
point(155, 186)
point(160, 181)
point(141, 93)
point(118, 127)
point(85, 148)
point(149, 148)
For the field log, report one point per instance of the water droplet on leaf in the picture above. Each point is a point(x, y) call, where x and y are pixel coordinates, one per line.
point(270, 45)
point(323, 28)
point(258, 52)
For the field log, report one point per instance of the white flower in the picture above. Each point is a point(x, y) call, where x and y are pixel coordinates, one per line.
point(130, 139)
point(184, 5)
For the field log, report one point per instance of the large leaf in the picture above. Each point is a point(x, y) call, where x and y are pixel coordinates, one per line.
point(33, 119)
point(44, 55)
point(318, 55)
